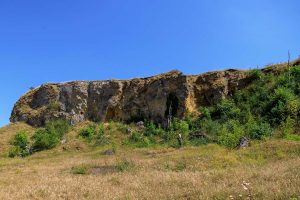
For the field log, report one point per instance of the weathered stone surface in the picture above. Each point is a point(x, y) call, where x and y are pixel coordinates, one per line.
point(126, 100)
point(244, 142)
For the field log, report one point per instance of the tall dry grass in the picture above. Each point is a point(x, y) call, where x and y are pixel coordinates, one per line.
point(271, 170)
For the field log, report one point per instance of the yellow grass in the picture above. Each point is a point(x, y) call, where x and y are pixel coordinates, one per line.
point(272, 168)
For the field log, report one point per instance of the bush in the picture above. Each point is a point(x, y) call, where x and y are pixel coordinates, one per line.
point(256, 74)
point(177, 127)
point(293, 137)
point(95, 134)
point(227, 109)
point(21, 145)
point(58, 127)
point(139, 140)
point(180, 165)
point(230, 134)
point(21, 140)
point(283, 104)
point(100, 137)
point(124, 165)
point(180, 126)
point(259, 131)
point(88, 132)
point(211, 127)
point(43, 139)
point(151, 129)
point(14, 151)
point(287, 127)
point(53, 105)
point(82, 169)
point(205, 113)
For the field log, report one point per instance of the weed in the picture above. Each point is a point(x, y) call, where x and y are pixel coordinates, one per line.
point(125, 165)
point(81, 169)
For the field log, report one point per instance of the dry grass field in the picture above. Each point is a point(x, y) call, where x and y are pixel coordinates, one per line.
point(75, 170)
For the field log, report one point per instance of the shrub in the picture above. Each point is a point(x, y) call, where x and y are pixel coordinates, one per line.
point(295, 72)
point(180, 165)
point(152, 129)
point(58, 127)
point(124, 165)
point(230, 134)
point(205, 113)
point(139, 140)
point(227, 109)
point(256, 74)
point(287, 127)
point(211, 127)
point(100, 137)
point(53, 105)
point(43, 139)
point(21, 145)
point(81, 169)
point(283, 104)
point(88, 132)
point(95, 134)
point(14, 151)
point(259, 131)
point(293, 137)
point(21, 139)
point(177, 127)
point(180, 126)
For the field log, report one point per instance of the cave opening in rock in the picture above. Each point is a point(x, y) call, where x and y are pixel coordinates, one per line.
point(110, 114)
point(171, 105)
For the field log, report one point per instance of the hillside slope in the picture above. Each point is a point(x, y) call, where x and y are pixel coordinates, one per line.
point(76, 170)
point(231, 135)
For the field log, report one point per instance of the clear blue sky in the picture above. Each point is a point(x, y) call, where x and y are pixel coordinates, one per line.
point(59, 40)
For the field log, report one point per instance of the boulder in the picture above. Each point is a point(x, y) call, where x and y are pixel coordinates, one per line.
point(109, 152)
point(244, 142)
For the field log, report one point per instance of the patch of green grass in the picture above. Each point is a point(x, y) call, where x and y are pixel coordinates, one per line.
point(53, 106)
point(125, 165)
point(293, 137)
point(81, 169)
point(180, 165)
point(95, 134)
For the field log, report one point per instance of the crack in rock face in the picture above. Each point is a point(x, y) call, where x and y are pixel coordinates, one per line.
point(138, 99)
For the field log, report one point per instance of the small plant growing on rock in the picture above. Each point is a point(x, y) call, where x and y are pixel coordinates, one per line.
point(53, 106)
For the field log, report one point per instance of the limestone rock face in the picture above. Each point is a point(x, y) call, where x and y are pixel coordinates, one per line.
point(151, 98)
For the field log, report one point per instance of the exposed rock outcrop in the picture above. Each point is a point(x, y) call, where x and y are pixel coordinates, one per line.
point(126, 100)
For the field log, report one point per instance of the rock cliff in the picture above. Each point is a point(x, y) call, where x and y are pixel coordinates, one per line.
point(126, 100)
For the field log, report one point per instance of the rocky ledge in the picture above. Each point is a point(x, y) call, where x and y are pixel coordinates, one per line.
point(150, 98)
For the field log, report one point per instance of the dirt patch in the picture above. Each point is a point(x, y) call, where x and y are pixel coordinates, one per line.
point(103, 169)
